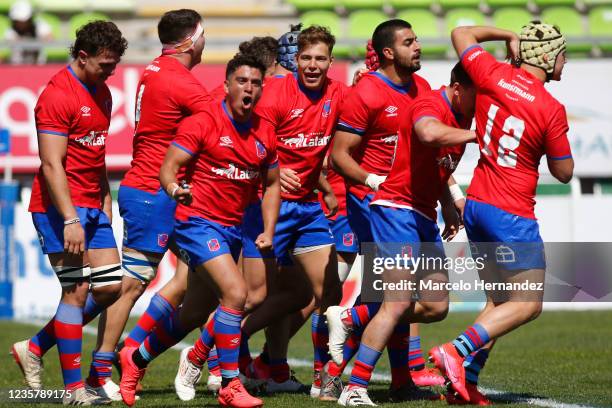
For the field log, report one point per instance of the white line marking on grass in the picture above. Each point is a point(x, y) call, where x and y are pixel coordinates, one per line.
point(380, 377)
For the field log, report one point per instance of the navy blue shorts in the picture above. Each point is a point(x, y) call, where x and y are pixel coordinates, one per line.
point(346, 240)
point(359, 216)
point(252, 226)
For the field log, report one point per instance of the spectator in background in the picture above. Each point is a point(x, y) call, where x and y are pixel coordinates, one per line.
point(25, 26)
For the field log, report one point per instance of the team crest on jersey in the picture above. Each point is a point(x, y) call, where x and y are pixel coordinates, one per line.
point(226, 141)
point(348, 239)
point(261, 150)
point(448, 162)
point(327, 108)
point(162, 240)
point(213, 245)
point(85, 111)
point(391, 110)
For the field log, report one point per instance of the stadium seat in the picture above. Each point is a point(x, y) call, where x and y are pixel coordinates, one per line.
point(570, 23)
point(362, 4)
point(463, 17)
point(54, 53)
point(80, 20)
point(507, 3)
point(511, 18)
point(111, 6)
point(594, 3)
point(425, 26)
point(361, 25)
point(553, 3)
point(451, 4)
point(330, 20)
point(61, 6)
point(306, 5)
point(600, 25)
point(5, 5)
point(405, 4)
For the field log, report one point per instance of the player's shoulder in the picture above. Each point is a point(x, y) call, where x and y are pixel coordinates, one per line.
point(57, 88)
point(421, 83)
point(208, 118)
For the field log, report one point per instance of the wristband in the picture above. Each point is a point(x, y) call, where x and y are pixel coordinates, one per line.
point(72, 221)
point(455, 192)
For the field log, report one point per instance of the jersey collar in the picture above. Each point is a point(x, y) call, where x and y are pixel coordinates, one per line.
point(91, 90)
point(403, 89)
point(240, 127)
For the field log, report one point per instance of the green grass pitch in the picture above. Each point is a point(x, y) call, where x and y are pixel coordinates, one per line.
point(563, 357)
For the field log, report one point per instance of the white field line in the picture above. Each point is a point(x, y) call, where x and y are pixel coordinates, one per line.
point(380, 377)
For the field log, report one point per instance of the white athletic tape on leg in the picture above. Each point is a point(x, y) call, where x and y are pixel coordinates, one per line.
point(70, 275)
point(343, 271)
point(139, 266)
point(106, 275)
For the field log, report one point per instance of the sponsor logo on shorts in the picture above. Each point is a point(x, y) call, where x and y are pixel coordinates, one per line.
point(213, 245)
point(348, 239)
point(162, 240)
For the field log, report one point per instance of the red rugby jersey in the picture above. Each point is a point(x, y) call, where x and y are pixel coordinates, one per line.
point(68, 108)
point(166, 94)
point(228, 161)
point(372, 110)
point(517, 122)
point(420, 172)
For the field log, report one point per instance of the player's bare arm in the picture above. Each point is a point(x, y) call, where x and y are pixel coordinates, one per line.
point(432, 132)
point(342, 160)
point(331, 202)
point(174, 160)
point(450, 214)
point(465, 37)
point(52, 152)
point(270, 207)
point(107, 199)
point(457, 196)
point(289, 180)
point(562, 170)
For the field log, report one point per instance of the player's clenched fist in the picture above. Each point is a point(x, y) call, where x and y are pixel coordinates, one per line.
point(264, 241)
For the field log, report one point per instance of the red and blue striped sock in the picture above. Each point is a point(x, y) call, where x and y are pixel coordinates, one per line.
point(358, 316)
point(159, 308)
point(68, 326)
point(471, 340)
point(244, 355)
point(473, 364)
point(279, 370)
point(200, 351)
point(227, 340)
point(364, 366)
point(397, 348)
point(213, 363)
point(101, 368)
point(416, 361)
point(44, 340)
point(320, 338)
point(166, 334)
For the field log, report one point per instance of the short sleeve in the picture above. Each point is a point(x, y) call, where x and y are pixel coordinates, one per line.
point(426, 108)
point(356, 111)
point(478, 63)
point(53, 113)
point(191, 95)
point(191, 135)
point(556, 143)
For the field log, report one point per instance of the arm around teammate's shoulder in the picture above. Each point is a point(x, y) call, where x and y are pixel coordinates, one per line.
point(432, 132)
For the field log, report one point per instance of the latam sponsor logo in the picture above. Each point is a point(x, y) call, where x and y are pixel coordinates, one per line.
point(226, 141)
point(213, 245)
point(85, 111)
point(474, 55)
point(234, 173)
point(391, 111)
point(515, 90)
point(93, 138)
point(391, 139)
point(296, 113)
point(303, 140)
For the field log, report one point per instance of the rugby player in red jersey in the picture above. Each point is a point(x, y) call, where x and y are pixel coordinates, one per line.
point(229, 150)
point(517, 122)
point(364, 146)
point(166, 94)
point(71, 208)
point(404, 210)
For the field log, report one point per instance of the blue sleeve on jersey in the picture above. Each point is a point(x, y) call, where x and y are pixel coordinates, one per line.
point(51, 132)
point(569, 156)
point(468, 49)
point(186, 150)
point(347, 128)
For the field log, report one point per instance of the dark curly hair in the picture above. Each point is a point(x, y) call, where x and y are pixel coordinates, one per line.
point(263, 48)
point(176, 25)
point(241, 60)
point(96, 36)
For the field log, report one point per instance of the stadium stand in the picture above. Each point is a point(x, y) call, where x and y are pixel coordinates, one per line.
point(362, 4)
point(54, 53)
point(600, 27)
point(427, 29)
point(510, 18)
point(571, 23)
point(79, 20)
point(5, 23)
point(361, 24)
